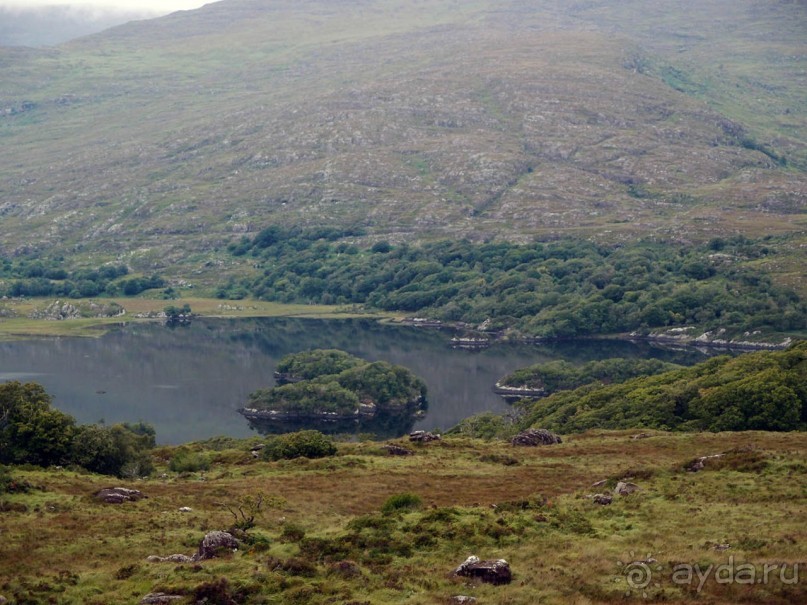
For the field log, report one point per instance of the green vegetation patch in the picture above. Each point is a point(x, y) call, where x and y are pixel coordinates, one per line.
point(562, 375)
point(764, 391)
point(559, 289)
point(331, 383)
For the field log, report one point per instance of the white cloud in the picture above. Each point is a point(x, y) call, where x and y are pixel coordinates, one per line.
point(156, 6)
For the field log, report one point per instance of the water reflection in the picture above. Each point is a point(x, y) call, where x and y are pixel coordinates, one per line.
point(189, 382)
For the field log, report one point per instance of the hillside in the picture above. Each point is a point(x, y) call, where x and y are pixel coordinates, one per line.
point(158, 142)
point(364, 527)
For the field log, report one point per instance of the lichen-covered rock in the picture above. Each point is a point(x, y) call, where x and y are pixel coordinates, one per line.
point(159, 598)
point(533, 437)
point(423, 437)
point(602, 499)
point(698, 464)
point(491, 572)
point(397, 450)
point(214, 543)
point(119, 495)
point(625, 488)
point(177, 558)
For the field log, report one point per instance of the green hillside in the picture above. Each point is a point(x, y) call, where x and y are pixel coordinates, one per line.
point(159, 142)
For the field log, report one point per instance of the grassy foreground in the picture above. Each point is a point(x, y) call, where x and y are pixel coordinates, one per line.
point(321, 536)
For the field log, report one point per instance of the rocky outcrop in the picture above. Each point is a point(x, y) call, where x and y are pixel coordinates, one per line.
point(698, 464)
point(423, 437)
point(533, 437)
point(397, 450)
point(602, 499)
point(214, 543)
point(176, 558)
point(160, 598)
point(491, 572)
point(119, 495)
point(625, 488)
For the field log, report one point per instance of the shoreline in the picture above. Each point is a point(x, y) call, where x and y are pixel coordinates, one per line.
point(20, 326)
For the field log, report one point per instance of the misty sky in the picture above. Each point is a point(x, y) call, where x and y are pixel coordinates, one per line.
point(158, 6)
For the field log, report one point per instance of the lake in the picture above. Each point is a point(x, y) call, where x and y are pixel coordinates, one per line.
point(188, 382)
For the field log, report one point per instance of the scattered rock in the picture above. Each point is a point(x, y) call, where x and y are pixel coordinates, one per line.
point(397, 450)
point(119, 495)
point(533, 437)
point(185, 509)
point(625, 488)
point(721, 547)
point(214, 543)
point(699, 463)
point(491, 572)
point(423, 437)
point(603, 499)
point(641, 436)
point(159, 598)
point(170, 559)
point(599, 483)
point(463, 600)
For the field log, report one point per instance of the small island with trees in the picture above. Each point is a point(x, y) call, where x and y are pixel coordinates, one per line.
point(337, 391)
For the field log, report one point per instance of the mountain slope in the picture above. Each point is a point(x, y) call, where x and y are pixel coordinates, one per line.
point(157, 142)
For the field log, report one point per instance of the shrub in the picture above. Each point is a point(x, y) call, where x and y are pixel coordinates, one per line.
point(292, 533)
point(309, 444)
point(189, 462)
point(10, 485)
point(405, 501)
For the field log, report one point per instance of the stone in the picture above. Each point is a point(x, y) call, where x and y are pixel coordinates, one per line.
point(423, 437)
point(463, 600)
point(177, 558)
point(491, 572)
point(599, 483)
point(214, 543)
point(397, 450)
point(602, 499)
point(159, 598)
point(641, 436)
point(119, 495)
point(625, 488)
point(698, 464)
point(185, 509)
point(533, 437)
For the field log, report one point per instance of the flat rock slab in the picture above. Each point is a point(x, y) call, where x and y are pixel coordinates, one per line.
point(533, 437)
point(119, 495)
point(491, 572)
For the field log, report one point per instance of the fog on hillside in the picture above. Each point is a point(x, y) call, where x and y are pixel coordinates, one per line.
point(52, 25)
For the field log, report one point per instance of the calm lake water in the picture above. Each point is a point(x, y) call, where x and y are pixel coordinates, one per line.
point(188, 382)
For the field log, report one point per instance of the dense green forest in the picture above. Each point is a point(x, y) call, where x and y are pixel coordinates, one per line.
point(334, 382)
point(765, 391)
point(555, 289)
point(562, 375)
point(37, 277)
point(32, 431)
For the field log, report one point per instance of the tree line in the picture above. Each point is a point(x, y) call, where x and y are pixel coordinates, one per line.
point(546, 289)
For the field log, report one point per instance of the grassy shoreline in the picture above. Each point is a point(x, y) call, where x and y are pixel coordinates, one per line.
point(22, 326)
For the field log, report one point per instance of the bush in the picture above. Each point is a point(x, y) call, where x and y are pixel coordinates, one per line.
point(120, 450)
point(10, 485)
point(405, 501)
point(189, 462)
point(309, 444)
